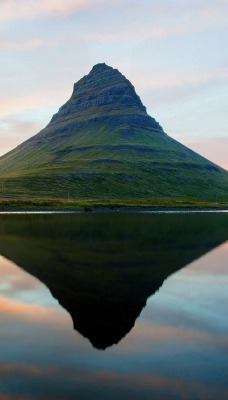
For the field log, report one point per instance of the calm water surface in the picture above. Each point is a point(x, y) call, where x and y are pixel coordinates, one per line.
point(108, 306)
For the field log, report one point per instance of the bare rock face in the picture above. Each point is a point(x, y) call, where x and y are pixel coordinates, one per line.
point(107, 93)
point(102, 86)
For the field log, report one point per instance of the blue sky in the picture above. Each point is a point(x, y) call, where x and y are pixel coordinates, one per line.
point(174, 52)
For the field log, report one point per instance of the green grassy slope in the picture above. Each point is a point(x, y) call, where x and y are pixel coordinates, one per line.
point(101, 165)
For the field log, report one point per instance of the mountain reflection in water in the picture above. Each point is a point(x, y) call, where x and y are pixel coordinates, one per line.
point(103, 267)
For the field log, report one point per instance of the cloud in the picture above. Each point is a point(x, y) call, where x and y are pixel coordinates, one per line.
point(104, 383)
point(29, 100)
point(33, 313)
point(207, 270)
point(14, 280)
point(12, 123)
point(102, 34)
point(15, 130)
point(156, 333)
point(26, 10)
point(26, 44)
point(214, 149)
point(11, 368)
point(175, 7)
point(18, 309)
point(173, 79)
point(140, 29)
point(23, 9)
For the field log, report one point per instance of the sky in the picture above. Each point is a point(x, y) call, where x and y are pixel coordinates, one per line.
point(174, 52)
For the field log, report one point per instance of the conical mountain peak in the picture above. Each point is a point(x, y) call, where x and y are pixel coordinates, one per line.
point(100, 67)
point(102, 144)
point(104, 90)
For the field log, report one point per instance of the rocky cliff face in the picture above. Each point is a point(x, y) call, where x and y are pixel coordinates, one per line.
point(102, 86)
point(104, 95)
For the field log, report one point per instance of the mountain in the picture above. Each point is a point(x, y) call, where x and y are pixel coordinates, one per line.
point(103, 267)
point(103, 144)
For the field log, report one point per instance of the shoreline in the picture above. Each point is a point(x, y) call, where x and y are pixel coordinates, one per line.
point(108, 209)
point(58, 205)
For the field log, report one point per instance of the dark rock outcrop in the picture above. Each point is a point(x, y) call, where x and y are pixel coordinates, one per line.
point(102, 86)
point(105, 86)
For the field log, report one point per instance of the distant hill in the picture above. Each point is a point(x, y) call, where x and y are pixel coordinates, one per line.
point(103, 144)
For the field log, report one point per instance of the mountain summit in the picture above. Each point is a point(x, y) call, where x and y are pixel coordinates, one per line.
point(105, 92)
point(103, 144)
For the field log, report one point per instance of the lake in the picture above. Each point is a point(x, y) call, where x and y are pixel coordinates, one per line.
point(114, 306)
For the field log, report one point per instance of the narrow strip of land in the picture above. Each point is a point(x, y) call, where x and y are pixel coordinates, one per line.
point(97, 205)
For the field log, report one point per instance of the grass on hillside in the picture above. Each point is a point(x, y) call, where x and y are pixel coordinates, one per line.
point(109, 166)
point(63, 204)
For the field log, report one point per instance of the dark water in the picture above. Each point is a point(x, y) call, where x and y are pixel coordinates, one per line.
point(114, 306)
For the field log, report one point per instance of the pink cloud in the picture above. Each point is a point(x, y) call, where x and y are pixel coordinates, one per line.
point(30, 100)
point(14, 9)
point(29, 369)
point(15, 278)
point(27, 44)
point(22, 9)
point(179, 388)
point(36, 313)
point(157, 383)
point(143, 332)
point(144, 31)
point(33, 311)
point(14, 131)
point(171, 79)
point(217, 256)
point(214, 149)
